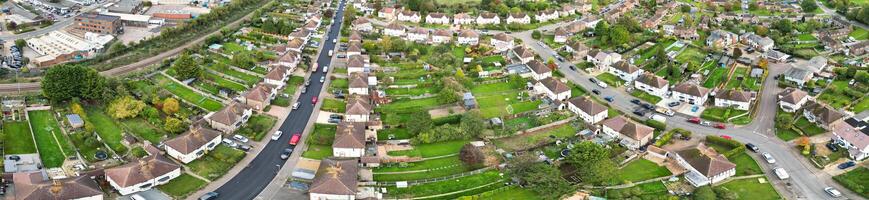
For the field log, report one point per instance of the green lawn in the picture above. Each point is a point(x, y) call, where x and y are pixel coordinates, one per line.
point(857, 180)
point(45, 128)
point(653, 190)
point(806, 37)
point(498, 99)
point(859, 33)
point(18, 139)
point(187, 94)
point(293, 84)
point(751, 189)
point(439, 171)
point(339, 84)
point(106, 128)
point(333, 105)
point(420, 165)
point(720, 114)
point(861, 106)
point(318, 152)
point(320, 141)
point(716, 76)
point(257, 126)
point(639, 170)
point(398, 133)
point(691, 55)
point(409, 105)
point(747, 83)
point(610, 79)
point(745, 165)
point(216, 162)
point(141, 128)
point(528, 140)
point(646, 96)
point(432, 150)
point(511, 192)
point(247, 78)
point(787, 134)
point(225, 83)
point(182, 186)
point(808, 128)
point(446, 186)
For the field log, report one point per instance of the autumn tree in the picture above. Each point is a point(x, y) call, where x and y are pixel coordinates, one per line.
point(171, 106)
point(125, 107)
point(806, 144)
point(174, 125)
point(472, 156)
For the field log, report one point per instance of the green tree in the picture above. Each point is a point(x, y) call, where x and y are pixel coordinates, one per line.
point(243, 60)
point(419, 122)
point(174, 125)
point(703, 193)
point(67, 81)
point(471, 122)
point(447, 95)
point(186, 67)
point(125, 107)
point(809, 6)
point(460, 73)
point(171, 106)
point(20, 43)
point(545, 180)
point(620, 35)
point(593, 162)
point(536, 34)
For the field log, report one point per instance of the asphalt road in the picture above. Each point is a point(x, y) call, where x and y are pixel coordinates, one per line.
point(248, 183)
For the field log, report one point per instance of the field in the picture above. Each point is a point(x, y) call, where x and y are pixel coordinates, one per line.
point(646, 96)
point(639, 170)
point(751, 189)
point(187, 94)
point(442, 187)
point(216, 163)
point(495, 98)
point(432, 150)
point(856, 180)
point(106, 128)
point(427, 169)
point(745, 165)
point(320, 141)
point(529, 140)
point(510, 192)
point(716, 76)
point(141, 128)
point(53, 146)
point(18, 139)
point(182, 186)
point(859, 34)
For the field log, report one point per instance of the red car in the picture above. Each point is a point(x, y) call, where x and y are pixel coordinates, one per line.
point(726, 137)
point(295, 139)
point(314, 100)
point(695, 120)
point(720, 126)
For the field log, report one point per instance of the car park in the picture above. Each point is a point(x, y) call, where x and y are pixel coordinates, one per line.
point(636, 101)
point(229, 143)
point(240, 138)
point(833, 192)
point(277, 135)
point(751, 147)
point(286, 153)
point(847, 165)
point(768, 157)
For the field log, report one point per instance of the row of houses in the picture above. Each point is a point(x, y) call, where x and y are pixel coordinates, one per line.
point(850, 133)
point(484, 18)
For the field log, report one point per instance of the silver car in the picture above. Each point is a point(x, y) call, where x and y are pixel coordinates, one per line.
point(768, 157)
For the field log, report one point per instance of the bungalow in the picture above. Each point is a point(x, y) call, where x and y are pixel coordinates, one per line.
point(625, 71)
point(858, 49)
point(734, 98)
point(349, 140)
point(590, 21)
point(229, 118)
point(193, 144)
point(704, 165)
point(296, 45)
point(277, 77)
point(362, 24)
point(574, 27)
point(437, 18)
point(721, 39)
point(553, 89)
point(854, 139)
point(539, 70)
point(357, 63)
point(302, 34)
point(601, 59)
point(355, 37)
point(757, 42)
point(502, 42)
point(394, 29)
point(816, 65)
point(792, 99)
point(462, 19)
point(387, 13)
point(418, 35)
point(488, 18)
point(567, 10)
point(409, 16)
point(523, 54)
point(578, 49)
point(691, 93)
point(588, 110)
point(775, 56)
point(288, 60)
point(358, 109)
point(442, 36)
point(561, 35)
point(311, 25)
point(358, 84)
point(686, 33)
point(36, 186)
point(335, 179)
point(546, 15)
point(142, 174)
point(468, 37)
point(798, 75)
point(632, 134)
point(518, 18)
point(652, 84)
point(259, 97)
point(821, 114)
point(354, 48)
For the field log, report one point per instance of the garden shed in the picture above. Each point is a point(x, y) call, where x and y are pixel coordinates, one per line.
point(74, 120)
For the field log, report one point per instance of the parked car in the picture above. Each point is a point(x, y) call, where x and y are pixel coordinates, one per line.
point(277, 135)
point(334, 121)
point(833, 192)
point(648, 106)
point(673, 104)
point(295, 139)
point(322, 78)
point(336, 116)
point(313, 100)
point(847, 165)
point(592, 80)
point(781, 173)
point(304, 89)
point(751, 147)
point(296, 105)
point(768, 157)
point(609, 99)
point(597, 92)
point(572, 68)
point(286, 153)
point(695, 120)
point(229, 143)
point(639, 111)
point(244, 147)
point(240, 138)
point(325, 69)
point(209, 196)
point(705, 123)
point(720, 126)
point(832, 147)
point(636, 101)
point(308, 82)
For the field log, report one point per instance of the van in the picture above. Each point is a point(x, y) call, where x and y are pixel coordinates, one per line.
point(665, 111)
point(602, 84)
point(659, 118)
point(325, 69)
point(330, 52)
point(781, 173)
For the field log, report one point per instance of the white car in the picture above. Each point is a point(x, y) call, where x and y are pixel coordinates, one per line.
point(240, 138)
point(768, 157)
point(833, 192)
point(781, 173)
point(334, 40)
point(325, 69)
point(296, 105)
point(229, 143)
point(322, 79)
point(277, 135)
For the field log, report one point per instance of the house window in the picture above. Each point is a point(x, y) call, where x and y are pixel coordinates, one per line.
point(145, 186)
point(164, 179)
point(199, 153)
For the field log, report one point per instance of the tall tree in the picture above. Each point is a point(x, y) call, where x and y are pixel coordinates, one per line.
point(125, 107)
point(419, 122)
point(545, 180)
point(171, 106)
point(809, 6)
point(186, 67)
point(67, 81)
point(593, 162)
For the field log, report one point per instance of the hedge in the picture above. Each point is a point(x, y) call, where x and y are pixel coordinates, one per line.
point(669, 135)
point(656, 124)
point(738, 148)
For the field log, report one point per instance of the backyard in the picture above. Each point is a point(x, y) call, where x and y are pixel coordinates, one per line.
point(499, 99)
point(856, 180)
point(320, 141)
point(216, 162)
point(426, 169)
point(257, 126)
point(187, 94)
point(106, 128)
point(53, 146)
point(481, 180)
point(752, 189)
point(432, 150)
point(182, 186)
point(715, 77)
point(143, 129)
point(531, 140)
point(741, 80)
point(639, 170)
point(18, 139)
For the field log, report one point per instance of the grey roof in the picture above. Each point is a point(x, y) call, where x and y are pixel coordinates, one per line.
point(74, 119)
point(99, 17)
point(125, 6)
point(336, 176)
point(797, 73)
point(734, 95)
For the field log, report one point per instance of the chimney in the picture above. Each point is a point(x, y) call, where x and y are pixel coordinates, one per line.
point(56, 187)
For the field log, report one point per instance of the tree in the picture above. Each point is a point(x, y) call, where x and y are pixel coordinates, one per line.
point(593, 162)
point(544, 179)
point(243, 60)
point(12, 26)
point(116, 47)
point(125, 107)
point(171, 106)
point(809, 6)
point(20, 43)
point(761, 30)
point(419, 122)
point(536, 34)
point(67, 81)
point(703, 193)
point(602, 28)
point(763, 63)
point(737, 53)
point(460, 73)
point(174, 125)
point(806, 144)
point(186, 67)
point(447, 95)
point(685, 8)
point(619, 35)
point(472, 156)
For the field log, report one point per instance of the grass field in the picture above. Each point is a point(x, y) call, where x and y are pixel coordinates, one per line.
point(639, 170)
point(225, 83)
point(752, 189)
point(446, 186)
point(320, 141)
point(511, 192)
point(182, 186)
point(106, 128)
point(528, 140)
point(862, 105)
point(856, 180)
point(806, 37)
point(745, 165)
point(187, 94)
point(646, 96)
point(691, 55)
point(53, 146)
point(333, 105)
point(653, 190)
point(247, 78)
point(143, 129)
point(716, 76)
point(17, 138)
point(859, 33)
point(409, 105)
point(216, 163)
point(495, 98)
point(432, 150)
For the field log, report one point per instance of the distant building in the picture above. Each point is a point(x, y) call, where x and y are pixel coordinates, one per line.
point(259, 97)
point(518, 18)
point(127, 6)
point(468, 37)
point(539, 70)
point(99, 23)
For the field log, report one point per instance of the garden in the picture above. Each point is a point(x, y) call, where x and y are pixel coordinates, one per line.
point(216, 162)
point(182, 186)
point(471, 184)
point(420, 170)
point(530, 140)
point(320, 141)
point(741, 80)
point(53, 145)
point(187, 94)
point(17, 138)
point(752, 188)
point(106, 128)
point(432, 149)
point(645, 96)
point(257, 126)
point(720, 114)
point(855, 180)
point(504, 98)
point(639, 170)
point(715, 77)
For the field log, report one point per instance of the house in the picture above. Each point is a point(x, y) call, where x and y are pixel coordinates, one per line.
point(387, 13)
point(704, 165)
point(358, 109)
point(601, 59)
point(553, 89)
point(854, 139)
point(277, 77)
point(468, 37)
point(362, 24)
point(462, 19)
point(502, 42)
point(625, 71)
point(358, 84)
point(588, 110)
point(355, 37)
point(336, 178)
point(821, 114)
point(546, 15)
point(590, 21)
point(798, 76)
point(561, 35)
point(193, 144)
point(394, 29)
point(815, 65)
point(36, 186)
point(409, 16)
point(229, 118)
point(302, 34)
point(652, 84)
point(354, 48)
point(633, 135)
point(143, 174)
point(721, 39)
point(577, 48)
point(858, 49)
point(831, 44)
point(539, 70)
point(686, 33)
point(442, 36)
point(488, 18)
point(311, 25)
point(775, 56)
point(567, 10)
point(418, 34)
point(288, 60)
point(349, 140)
point(691, 93)
point(792, 99)
point(760, 43)
point(296, 45)
point(437, 18)
point(523, 54)
point(357, 63)
point(259, 97)
point(518, 18)
point(734, 98)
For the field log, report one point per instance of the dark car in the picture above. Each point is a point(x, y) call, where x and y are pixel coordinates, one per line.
point(636, 101)
point(608, 99)
point(592, 80)
point(244, 147)
point(639, 112)
point(673, 104)
point(209, 196)
point(572, 68)
point(832, 147)
point(751, 147)
point(648, 106)
point(846, 165)
point(595, 92)
point(286, 153)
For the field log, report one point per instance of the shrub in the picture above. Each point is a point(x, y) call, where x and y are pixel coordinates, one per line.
point(472, 155)
point(738, 148)
point(656, 124)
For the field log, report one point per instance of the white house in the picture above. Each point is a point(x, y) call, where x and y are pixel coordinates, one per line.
point(546, 15)
point(553, 89)
point(798, 76)
point(561, 35)
point(358, 84)
point(349, 140)
point(387, 13)
point(523, 54)
point(409, 16)
point(602, 60)
point(632, 134)
point(193, 144)
point(625, 71)
point(502, 42)
point(362, 24)
point(691, 93)
point(336, 180)
point(437, 18)
point(518, 18)
point(488, 18)
point(792, 99)
point(442, 36)
point(539, 71)
point(277, 77)
point(734, 98)
point(468, 37)
point(357, 64)
point(229, 118)
point(288, 60)
point(721, 38)
point(358, 109)
point(418, 35)
point(588, 110)
point(822, 114)
point(854, 139)
point(462, 19)
point(143, 174)
point(704, 165)
point(394, 29)
point(652, 84)
point(757, 42)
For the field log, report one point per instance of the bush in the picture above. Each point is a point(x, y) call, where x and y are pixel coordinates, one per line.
point(669, 135)
point(656, 124)
point(738, 148)
point(472, 156)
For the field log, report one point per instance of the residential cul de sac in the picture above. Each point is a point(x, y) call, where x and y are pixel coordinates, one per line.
point(440, 99)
